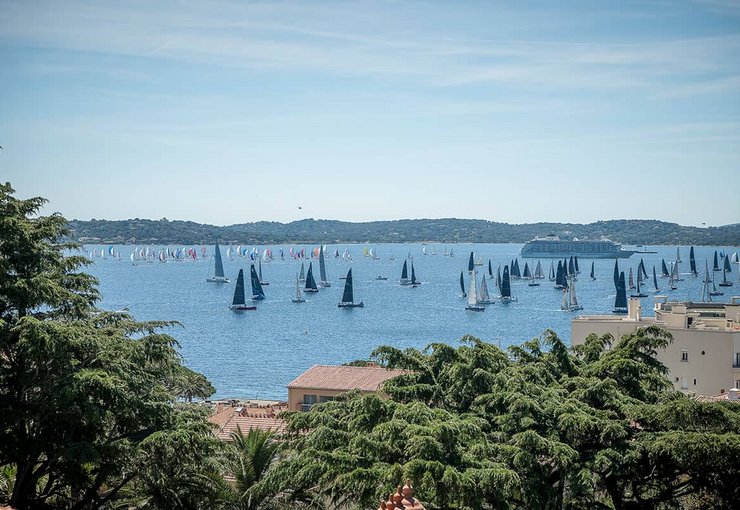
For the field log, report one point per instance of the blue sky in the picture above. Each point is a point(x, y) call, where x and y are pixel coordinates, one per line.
point(226, 112)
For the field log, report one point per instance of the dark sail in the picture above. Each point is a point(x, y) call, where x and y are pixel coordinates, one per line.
point(257, 292)
point(565, 267)
point(515, 271)
point(498, 277)
point(526, 274)
point(462, 285)
point(310, 282)
point(239, 298)
point(404, 272)
point(552, 271)
point(559, 276)
point(692, 262)
point(728, 268)
point(644, 272)
point(620, 302)
point(322, 264)
point(506, 283)
point(348, 296)
point(413, 275)
point(655, 279)
point(664, 268)
point(575, 263)
point(471, 263)
point(716, 262)
point(616, 273)
point(219, 263)
point(592, 271)
point(490, 269)
point(571, 266)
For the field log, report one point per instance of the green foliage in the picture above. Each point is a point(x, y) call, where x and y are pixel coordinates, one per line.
point(87, 411)
point(448, 230)
point(541, 426)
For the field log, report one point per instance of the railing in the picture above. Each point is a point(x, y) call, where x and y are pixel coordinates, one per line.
point(305, 407)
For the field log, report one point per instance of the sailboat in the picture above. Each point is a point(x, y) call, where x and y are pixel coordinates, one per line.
point(593, 277)
point(538, 271)
point(471, 263)
point(552, 271)
point(672, 277)
point(692, 262)
point(655, 280)
point(323, 281)
point(298, 294)
point(575, 264)
point(219, 269)
point(560, 282)
point(570, 302)
point(239, 302)
point(490, 269)
point(498, 277)
point(725, 282)
point(631, 280)
point(423, 250)
point(526, 273)
point(620, 301)
point(348, 299)
point(678, 254)
point(728, 267)
point(310, 282)
point(259, 271)
point(484, 298)
point(571, 266)
point(405, 274)
point(616, 273)
point(414, 282)
point(302, 276)
point(664, 269)
point(533, 282)
point(473, 304)
point(462, 285)
point(638, 293)
point(506, 286)
point(716, 262)
point(715, 291)
point(257, 293)
point(452, 253)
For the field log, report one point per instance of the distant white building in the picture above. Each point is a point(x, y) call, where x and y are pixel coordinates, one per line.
point(704, 358)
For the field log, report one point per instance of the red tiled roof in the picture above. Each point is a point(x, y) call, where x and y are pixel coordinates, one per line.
point(344, 378)
point(722, 397)
point(245, 418)
point(245, 423)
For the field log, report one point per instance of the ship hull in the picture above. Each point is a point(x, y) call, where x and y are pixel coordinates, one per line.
point(623, 254)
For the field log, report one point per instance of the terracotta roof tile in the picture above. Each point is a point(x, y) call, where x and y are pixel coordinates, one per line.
point(245, 423)
point(344, 378)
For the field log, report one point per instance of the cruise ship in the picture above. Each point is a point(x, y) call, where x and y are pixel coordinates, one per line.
point(554, 247)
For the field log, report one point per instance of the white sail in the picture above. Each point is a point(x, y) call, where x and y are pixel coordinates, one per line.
point(484, 296)
point(473, 290)
point(564, 302)
point(572, 289)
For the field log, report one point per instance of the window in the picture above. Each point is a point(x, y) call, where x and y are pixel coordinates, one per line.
point(737, 384)
point(737, 359)
point(684, 383)
point(684, 355)
point(323, 398)
point(309, 399)
point(694, 382)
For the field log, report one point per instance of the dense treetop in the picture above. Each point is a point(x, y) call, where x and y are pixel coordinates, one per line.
point(449, 230)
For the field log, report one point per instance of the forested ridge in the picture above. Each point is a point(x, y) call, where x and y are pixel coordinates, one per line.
point(447, 230)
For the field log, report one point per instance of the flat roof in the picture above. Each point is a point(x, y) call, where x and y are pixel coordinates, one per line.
point(344, 378)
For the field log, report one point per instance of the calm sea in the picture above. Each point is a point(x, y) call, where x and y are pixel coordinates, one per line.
point(256, 354)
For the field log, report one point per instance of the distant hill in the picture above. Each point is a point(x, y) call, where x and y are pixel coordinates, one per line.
point(448, 230)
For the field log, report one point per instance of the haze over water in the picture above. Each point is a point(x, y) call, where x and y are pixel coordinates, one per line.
point(257, 353)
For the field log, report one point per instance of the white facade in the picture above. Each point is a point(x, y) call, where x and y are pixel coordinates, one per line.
point(704, 358)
